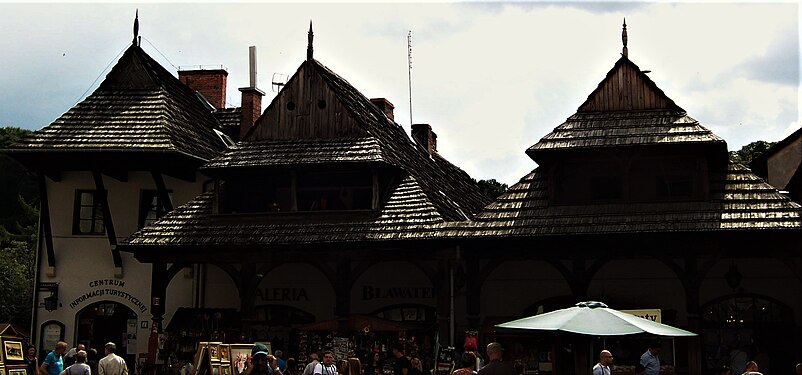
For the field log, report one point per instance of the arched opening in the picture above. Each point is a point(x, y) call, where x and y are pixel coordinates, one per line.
point(108, 321)
point(741, 327)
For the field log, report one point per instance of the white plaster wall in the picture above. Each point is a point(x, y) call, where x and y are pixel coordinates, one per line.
point(221, 291)
point(81, 260)
point(767, 277)
point(784, 163)
point(391, 283)
point(514, 286)
point(639, 284)
point(299, 285)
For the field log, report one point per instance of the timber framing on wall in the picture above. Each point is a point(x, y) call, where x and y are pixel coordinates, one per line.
point(108, 222)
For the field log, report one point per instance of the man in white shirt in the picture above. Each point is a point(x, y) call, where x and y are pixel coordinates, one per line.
point(327, 367)
point(111, 364)
point(605, 360)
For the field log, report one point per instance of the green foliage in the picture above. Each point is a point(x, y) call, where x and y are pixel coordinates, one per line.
point(492, 188)
point(750, 152)
point(19, 197)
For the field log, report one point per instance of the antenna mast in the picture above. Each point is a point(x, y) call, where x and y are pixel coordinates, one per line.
point(409, 71)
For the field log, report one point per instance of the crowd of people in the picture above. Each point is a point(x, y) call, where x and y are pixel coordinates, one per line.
point(650, 364)
point(75, 361)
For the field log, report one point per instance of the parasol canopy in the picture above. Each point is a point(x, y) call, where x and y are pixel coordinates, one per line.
point(594, 318)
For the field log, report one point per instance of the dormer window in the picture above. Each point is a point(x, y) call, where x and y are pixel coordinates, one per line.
point(304, 190)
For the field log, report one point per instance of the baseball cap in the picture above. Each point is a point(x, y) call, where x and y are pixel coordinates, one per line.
point(259, 349)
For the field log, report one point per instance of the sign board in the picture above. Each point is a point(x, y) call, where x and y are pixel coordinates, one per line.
point(445, 360)
point(650, 314)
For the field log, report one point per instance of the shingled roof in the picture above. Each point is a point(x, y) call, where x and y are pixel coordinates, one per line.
point(431, 192)
point(139, 108)
point(738, 200)
point(626, 109)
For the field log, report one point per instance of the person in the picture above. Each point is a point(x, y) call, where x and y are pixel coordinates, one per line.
point(374, 367)
point(402, 363)
point(605, 360)
point(467, 364)
point(30, 360)
point(79, 367)
point(342, 366)
point(310, 367)
point(751, 368)
point(738, 359)
point(91, 359)
point(280, 362)
point(69, 357)
point(292, 367)
point(798, 369)
point(639, 369)
point(650, 359)
point(327, 367)
point(111, 364)
point(495, 366)
point(416, 367)
point(261, 363)
point(354, 367)
point(54, 361)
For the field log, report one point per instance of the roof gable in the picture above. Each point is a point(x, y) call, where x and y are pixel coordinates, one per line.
point(307, 107)
point(139, 107)
point(627, 88)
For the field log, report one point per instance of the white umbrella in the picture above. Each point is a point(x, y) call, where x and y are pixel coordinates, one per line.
point(594, 318)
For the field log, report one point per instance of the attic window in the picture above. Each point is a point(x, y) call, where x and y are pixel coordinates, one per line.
point(321, 103)
point(290, 106)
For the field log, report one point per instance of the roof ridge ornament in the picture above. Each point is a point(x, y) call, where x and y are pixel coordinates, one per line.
point(309, 46)
point(136, 28)
point(625, 52)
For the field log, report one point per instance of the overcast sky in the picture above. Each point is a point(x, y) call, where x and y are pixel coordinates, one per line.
point(491, 78)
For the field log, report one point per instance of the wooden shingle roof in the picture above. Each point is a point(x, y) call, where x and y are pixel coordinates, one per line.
point(626, 109)
point(738, 200)
point(139, 108)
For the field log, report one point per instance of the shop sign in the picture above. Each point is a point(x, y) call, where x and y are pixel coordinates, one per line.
point(282, 294)
point(650, 314)
point(400, 292)
point(108, 288)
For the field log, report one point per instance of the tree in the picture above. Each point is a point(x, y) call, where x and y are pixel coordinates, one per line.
point(492, 188)
point(18, 220)
point(750, 152)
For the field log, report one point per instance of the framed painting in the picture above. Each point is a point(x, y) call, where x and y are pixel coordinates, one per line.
point(225, 353)
point(2, 370)
point(214, 352)
point(12, 350)
point(225, 370)
point(215, 369)
point(17, 371)
point(240, 353)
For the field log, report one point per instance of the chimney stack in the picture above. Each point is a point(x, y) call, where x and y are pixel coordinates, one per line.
point(385, 107)
point(423, 134)
point(209, 83)
point(251, 98)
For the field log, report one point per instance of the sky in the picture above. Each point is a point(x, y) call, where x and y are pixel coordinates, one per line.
point(491, 78)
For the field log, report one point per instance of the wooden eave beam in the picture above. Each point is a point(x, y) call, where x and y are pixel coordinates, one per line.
point(161, 190)
point(44, 221)
point(107, 221)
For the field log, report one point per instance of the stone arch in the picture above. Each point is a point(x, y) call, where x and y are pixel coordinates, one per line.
point(391, 283)
point(533, 280)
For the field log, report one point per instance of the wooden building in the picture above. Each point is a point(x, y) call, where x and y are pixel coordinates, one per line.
point(326, 210)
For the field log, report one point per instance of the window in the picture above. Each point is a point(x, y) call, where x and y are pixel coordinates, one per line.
point(151, 207)
point(88, 213)
point(334, 191)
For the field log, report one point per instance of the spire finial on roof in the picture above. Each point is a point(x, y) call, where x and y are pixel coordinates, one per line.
point(624, 39)
point(309, 46)
point(136, 27)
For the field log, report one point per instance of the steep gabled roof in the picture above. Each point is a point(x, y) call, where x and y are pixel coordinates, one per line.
point(371, 137)
point(739, 200)
point(626, 109)
point(139, 108)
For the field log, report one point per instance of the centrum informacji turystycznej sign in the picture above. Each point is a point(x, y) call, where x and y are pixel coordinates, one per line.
point(108, 288)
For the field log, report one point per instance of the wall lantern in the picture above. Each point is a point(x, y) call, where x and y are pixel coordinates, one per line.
point(51, 303)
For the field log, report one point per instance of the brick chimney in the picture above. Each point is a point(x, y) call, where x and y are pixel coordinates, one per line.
point(424, 136)
point(251, 98)
point(210, 83)
point(385, 107)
